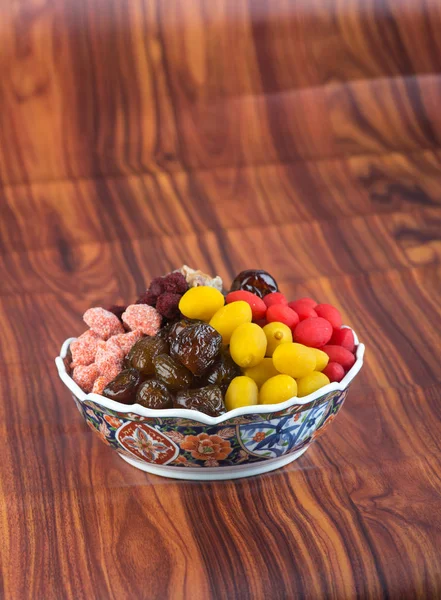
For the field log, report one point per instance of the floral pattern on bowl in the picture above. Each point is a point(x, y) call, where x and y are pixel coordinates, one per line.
point(147, 443)
point(243, 442)
point(184, 442)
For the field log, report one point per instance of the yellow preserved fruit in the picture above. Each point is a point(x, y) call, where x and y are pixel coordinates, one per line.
point(242, 391)
point(248, 345)
point(201, 302)
point(321, 358)
point(229, 317)
point(276, 333)
point(261, 372)
point(311, 383)
point(295, 360)
point(278, 389)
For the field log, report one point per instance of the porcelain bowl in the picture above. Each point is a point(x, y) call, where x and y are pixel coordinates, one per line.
point(187, 444)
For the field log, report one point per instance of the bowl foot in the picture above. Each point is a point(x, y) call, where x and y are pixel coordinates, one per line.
point(215, 473)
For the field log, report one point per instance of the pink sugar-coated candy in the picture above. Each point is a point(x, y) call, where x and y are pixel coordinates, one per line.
point(334, 372)
point(330, 313)
point(303, 308)
point(142, 317)
point(108, 352)
point(340, 355)
point(314, 332)
point(109, 370)
point(127, 340)
point(102, 322)
point(275, 298)
point(100, 384)
point(85, 375)
point(113, 348)
point(343, 337)
point(84, 348)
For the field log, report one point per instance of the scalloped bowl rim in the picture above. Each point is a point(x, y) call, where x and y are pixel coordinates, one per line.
point(195, 415)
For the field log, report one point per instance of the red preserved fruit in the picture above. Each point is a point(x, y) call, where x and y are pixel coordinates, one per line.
point(314, 332)
point(340, 355)
point(282, 314)
point(344, 337)
point(275, 298)
point(303, 309)
point(334, 371)
point(330, 313)
point(306, 300)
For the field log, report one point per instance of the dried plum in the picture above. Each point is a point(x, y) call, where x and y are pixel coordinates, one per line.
point(222, 372)
point(196, 347)
point(164, 332)
point(208, 400)
point(257, 282)
point(123, 387)
point(144, 351)
point(170, 371)
point(154, 394)
point(178, 326)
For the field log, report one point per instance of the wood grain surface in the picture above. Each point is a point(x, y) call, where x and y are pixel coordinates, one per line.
point(303, 137)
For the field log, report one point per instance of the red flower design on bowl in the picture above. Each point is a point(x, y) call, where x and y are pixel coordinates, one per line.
point(207, 447)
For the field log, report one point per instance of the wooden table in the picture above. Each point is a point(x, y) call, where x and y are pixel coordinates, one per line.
point(299, 137)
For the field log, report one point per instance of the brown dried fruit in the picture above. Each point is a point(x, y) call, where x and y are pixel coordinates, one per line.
point(196, 347)
point(177, 327)
point(171, 372)
point(223, 371)
point(154, 394)
point(208, 400)
point(144, 351)
point(123, 387)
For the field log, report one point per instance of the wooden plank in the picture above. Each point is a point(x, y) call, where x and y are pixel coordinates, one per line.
point(293, 252)
point(346, 498)
point(177, 86)
point(300, 136)
point(84, 211)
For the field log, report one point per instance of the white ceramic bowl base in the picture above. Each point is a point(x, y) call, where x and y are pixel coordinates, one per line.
point(216, 473)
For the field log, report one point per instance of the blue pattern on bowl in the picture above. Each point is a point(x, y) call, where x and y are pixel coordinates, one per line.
point(167, 441)
point(184, 442)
